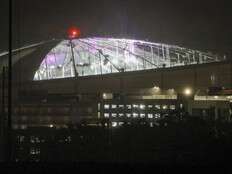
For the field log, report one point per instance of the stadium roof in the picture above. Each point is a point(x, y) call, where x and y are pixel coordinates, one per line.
point(94, 56)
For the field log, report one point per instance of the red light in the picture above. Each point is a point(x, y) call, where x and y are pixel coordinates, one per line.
point(74, 32)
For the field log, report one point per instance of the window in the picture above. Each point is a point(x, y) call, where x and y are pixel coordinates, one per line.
point(107, 106)
point(114, 115)
point(150, 106)
point(181, 105)
point(106, 115)
point(150, 115)
point(114, 106)
point(114, 124)
point(142, 115)
point(172, 107)
point(34, 151)
point(121, 106)
point(128, 115)
point(135, 106)
point(165, 107)
point(121, 114)
point(157, 115)
point(142, 106)
point(135, 115)
point(157, 106)
point(120, 123)
point(128, 106)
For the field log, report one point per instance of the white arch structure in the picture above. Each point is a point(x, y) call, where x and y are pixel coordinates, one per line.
point(95, 56)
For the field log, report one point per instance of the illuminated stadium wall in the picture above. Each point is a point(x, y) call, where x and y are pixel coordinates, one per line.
point(94, 56)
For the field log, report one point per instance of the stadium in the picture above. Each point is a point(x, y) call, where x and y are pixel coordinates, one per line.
point(59, 83)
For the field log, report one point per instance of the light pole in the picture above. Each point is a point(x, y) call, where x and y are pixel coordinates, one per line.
point(9, 129)
point(73, 33)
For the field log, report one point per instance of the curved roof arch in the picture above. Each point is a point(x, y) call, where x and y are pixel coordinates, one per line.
point(95, 56)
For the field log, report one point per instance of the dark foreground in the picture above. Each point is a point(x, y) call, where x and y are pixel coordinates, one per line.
point(190, 144)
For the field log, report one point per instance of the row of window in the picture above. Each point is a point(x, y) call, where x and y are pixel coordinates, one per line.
point(133, 115)
point(139, 106)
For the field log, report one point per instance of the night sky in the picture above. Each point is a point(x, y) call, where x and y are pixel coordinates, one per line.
point(204, 25)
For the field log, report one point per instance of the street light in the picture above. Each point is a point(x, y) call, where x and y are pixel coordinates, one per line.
point(187, 91)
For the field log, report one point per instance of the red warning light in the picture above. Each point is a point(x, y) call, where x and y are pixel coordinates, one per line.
point(74, 32)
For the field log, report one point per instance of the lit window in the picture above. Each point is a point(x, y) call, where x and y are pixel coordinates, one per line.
point(106, 115)
point(114, 106)
point(142, 115)
point(104, 95)
point(107, 96)
point(120, 123)
point(98, 114)
point(34, 151)
point(157, 106)
point(114, 124)
point(157, 115)
point(128, 115)
point(165, 107)
point(99, 106)
point(128, 106)
point(150, 115)
point(135, 115)
point(114, 115)
point(121, 115)
point(121, 106)
point(149, 106)
point(181, 105)
point(135, 106)
point(106, 106)
point(172, 107)
point(142, 106)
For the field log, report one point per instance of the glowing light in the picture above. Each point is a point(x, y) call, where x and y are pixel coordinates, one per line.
point(104, 95)
point(187, 91)
point(142, 106)
point(216, 97)
point(51, 125)
point(165, 106)
point(73, 32)
point(156, 89)
point(126, 54)
point(114, 124)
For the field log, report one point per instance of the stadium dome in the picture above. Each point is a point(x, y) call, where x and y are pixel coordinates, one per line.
point(96, 56)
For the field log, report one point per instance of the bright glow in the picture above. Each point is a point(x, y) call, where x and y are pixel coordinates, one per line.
point(130, 55)
point(104, 96)
point(156, 88)
point(73, 32)
point(142, 106)
point(165, 106)
point(51, 125)
point(114, 124)
point(135, 115)
point(216, 97)
point(150, 115)
point(187, 91)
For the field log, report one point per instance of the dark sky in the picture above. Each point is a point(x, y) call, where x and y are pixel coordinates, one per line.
point(199, 24)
